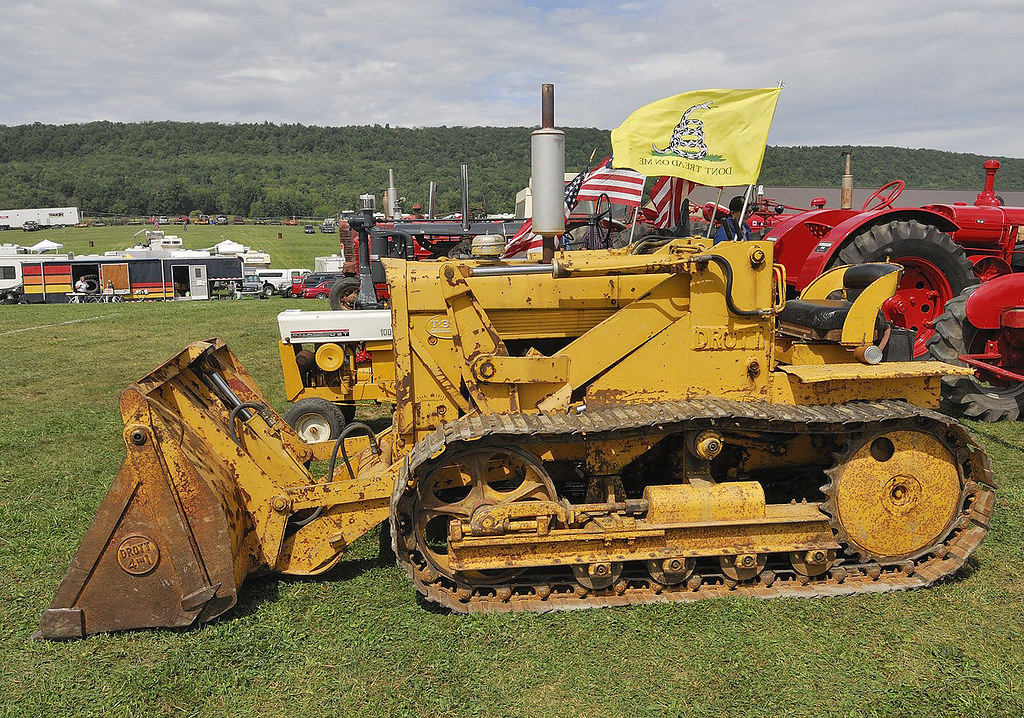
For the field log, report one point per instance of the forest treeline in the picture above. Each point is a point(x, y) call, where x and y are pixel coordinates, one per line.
point(278, 170)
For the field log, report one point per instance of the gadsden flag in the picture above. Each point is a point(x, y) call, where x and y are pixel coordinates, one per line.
point(711, 137)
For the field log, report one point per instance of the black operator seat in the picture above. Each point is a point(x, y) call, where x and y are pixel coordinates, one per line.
point(823, 318)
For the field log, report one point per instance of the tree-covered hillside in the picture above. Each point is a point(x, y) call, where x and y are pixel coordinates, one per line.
point(277, 170)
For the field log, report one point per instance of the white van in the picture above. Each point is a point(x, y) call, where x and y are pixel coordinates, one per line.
point(279, 281)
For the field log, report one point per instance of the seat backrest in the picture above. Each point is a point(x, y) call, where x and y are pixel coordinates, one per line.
point(860, 276)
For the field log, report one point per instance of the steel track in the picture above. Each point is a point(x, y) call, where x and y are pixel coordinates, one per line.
point(543, 590)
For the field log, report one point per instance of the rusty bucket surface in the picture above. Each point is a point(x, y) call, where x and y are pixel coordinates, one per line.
point(170, 545)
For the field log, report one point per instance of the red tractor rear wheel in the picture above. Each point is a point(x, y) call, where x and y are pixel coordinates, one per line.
point(983, 398)
point(936, 270)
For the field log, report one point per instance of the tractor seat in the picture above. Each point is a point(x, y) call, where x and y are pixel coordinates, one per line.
point(823, 319)
point(820, 316)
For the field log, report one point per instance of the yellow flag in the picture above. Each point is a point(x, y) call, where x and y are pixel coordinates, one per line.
point(711, 137)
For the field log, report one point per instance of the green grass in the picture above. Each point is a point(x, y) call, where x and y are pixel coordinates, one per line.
point(358, 642)
point(293, 249)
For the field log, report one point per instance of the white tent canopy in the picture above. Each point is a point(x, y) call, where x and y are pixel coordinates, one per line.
point(229, 247)
point(45, 245)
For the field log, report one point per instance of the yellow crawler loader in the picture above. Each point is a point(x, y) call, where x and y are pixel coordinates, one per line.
point(602, 429)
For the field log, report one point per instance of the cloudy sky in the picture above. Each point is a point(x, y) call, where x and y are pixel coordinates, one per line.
point(942, 74)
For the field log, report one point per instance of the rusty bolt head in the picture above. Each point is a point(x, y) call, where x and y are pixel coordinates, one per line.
point(753, 368)
point(138, 437)
point(487, 370)
point(600, 570)
point(442, 410)
point(757, 257)
point(816, 556)
point(673, 565)
point(449, 273)
point(746, 560)
point(281, 504)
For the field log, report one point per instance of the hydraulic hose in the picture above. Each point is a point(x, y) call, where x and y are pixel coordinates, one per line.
point(234, 415)
point(727, 270)
point(340, 444)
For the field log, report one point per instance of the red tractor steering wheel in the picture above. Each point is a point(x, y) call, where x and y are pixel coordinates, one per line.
point(895, 189)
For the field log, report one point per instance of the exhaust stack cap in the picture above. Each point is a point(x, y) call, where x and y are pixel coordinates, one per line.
point(367, 202)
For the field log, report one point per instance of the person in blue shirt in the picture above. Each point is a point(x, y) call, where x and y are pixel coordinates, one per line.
point(728, 229)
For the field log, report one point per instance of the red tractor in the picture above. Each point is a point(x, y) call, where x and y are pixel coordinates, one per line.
point(983, 328)
point(944, 248)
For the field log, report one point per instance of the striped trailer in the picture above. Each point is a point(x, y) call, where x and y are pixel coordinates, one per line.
point(52, 281)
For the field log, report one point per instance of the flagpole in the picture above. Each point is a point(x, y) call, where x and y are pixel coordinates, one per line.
point(743, 212)
point(636, 211)
point(713, 214)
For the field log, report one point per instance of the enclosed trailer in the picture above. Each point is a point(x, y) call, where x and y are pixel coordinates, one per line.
point(53, 281)
point(44, 217)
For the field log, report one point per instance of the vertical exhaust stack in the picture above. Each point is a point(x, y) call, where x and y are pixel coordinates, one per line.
point(846, 200)
point(465, 197)
point(367, 293)
point(547, 149)
point(432, 200)
point(392, 200)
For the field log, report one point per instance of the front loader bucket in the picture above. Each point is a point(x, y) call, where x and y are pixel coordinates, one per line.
point(176, 535)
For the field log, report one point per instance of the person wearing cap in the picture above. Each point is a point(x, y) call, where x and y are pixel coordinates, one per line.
point(728, 229)
point(417, 212)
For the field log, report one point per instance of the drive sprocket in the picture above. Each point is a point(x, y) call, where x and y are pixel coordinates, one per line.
point(894, 495)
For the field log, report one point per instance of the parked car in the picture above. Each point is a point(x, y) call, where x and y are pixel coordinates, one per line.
point(259, 220)
point(203, 219)
point(30, 226)
point(328, 227)
point(238, 219)
point(318, 291)
point(308, 229)
point(298, 288)
point(279, 281)
point(222, 219)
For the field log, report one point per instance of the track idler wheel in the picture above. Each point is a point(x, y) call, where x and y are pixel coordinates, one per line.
point(596, 576)
point(812, 563)
point(742, 567)
point(671, 571)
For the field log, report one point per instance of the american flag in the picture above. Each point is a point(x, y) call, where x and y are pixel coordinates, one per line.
point(525, 240)
point(622, 186)
point(667, 196)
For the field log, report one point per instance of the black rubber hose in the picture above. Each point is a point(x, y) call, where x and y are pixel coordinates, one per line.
point(727, 270)
point(234, 415)
point(340, 444)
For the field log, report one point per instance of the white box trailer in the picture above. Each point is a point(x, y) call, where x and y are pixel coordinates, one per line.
point(44, 217)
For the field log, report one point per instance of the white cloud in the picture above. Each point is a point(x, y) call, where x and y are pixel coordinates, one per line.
point(935, 73)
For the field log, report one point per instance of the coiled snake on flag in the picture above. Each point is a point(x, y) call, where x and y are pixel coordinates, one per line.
point(691, 149)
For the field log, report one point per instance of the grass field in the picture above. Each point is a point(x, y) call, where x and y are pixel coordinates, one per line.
point(294, 249)
point(358, 642)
